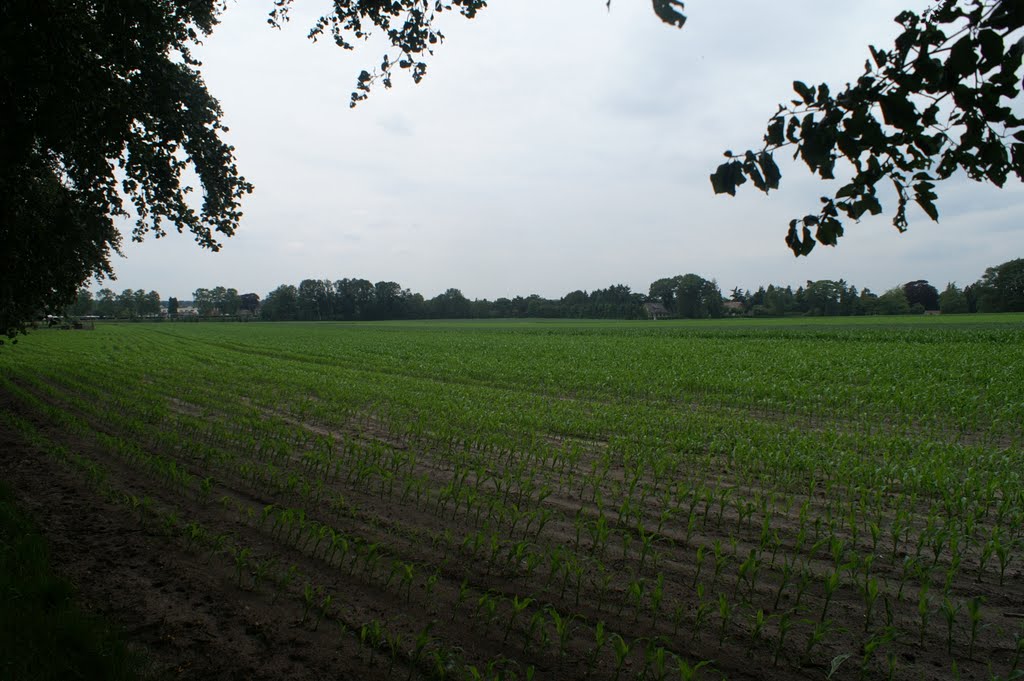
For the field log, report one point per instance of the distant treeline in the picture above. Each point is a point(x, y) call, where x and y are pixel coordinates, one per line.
point(1000, 289)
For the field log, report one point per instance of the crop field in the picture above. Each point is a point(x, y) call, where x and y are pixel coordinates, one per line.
point(526, 500)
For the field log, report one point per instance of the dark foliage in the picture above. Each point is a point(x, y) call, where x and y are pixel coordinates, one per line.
point(937, 102)
point(922, 293)
point(100, 102)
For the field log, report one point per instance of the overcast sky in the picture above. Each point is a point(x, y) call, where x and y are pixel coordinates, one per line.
point(552, 146)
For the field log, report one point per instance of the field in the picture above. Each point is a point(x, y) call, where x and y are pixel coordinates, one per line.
point(800, 499)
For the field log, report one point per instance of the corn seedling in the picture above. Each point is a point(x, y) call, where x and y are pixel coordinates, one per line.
point(687, 671)
point(621, 650)
point(974, 615)
point(949, 612)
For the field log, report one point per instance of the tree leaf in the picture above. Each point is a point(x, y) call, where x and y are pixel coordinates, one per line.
point(776, 132)
point(799, 246)
point(962, 59)
point(898, 111)
point(829, 230)
point(991, 49)
point(771, 171)
point(727, 177)
point(805, 92)
point(670, 11)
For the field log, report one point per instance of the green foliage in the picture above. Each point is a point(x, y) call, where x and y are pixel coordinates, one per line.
point(952, 300)
point(938, 101)
point(218, 300)
point(688, 295)
point(893, 301)
point(920, 292)
point(1001, 288)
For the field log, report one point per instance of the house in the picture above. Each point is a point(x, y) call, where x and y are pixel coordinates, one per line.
point(733, 307)
point(656, 311)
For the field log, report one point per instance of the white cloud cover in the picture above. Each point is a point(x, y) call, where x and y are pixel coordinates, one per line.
point(552, 146)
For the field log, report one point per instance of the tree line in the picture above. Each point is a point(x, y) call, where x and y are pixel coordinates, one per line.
point(362, 300)
point(689, 296)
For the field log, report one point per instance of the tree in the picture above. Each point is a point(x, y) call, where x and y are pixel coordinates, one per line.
point(249, 302)
point(100, 102)
point(354, 298)
point(449, 305)
point(867, 302)
point(952, 300)
point(83, 304)
point(172, 306)
point(823, 297)
point(315, 299)
point(282, 304)
point(127, 304)
point(147, 304)
point(204, 301)
point(697, 298)
point(922, 293)
point(937, 102)
point(388, 299)
point(664, 291)
point(893, 301)
point(1001, 288)
point(778, 301)
point(106, 303)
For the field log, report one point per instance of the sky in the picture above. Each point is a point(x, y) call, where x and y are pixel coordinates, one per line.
point(552, 146)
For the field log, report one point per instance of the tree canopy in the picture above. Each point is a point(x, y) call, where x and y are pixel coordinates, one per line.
point(103, 103)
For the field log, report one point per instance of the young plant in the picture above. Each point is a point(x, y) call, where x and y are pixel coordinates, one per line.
point(817, 636)
point(518, 606)
point(725, 615)
point(831, 584)
point(688, 672)
point(974, 613)
point(241, 557)
point(758, 628)
point(621, 650)
point(420, 644)
point(656, 661)
point(870, 597)
point(599, 641)
point(700, 563)
point(949, 612)
point(785, 624)
point(322, 608)
point(882, 638)
point(704, 609)
point(563, 627)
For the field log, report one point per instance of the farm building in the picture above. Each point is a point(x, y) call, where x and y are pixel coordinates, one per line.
point(656, 310)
